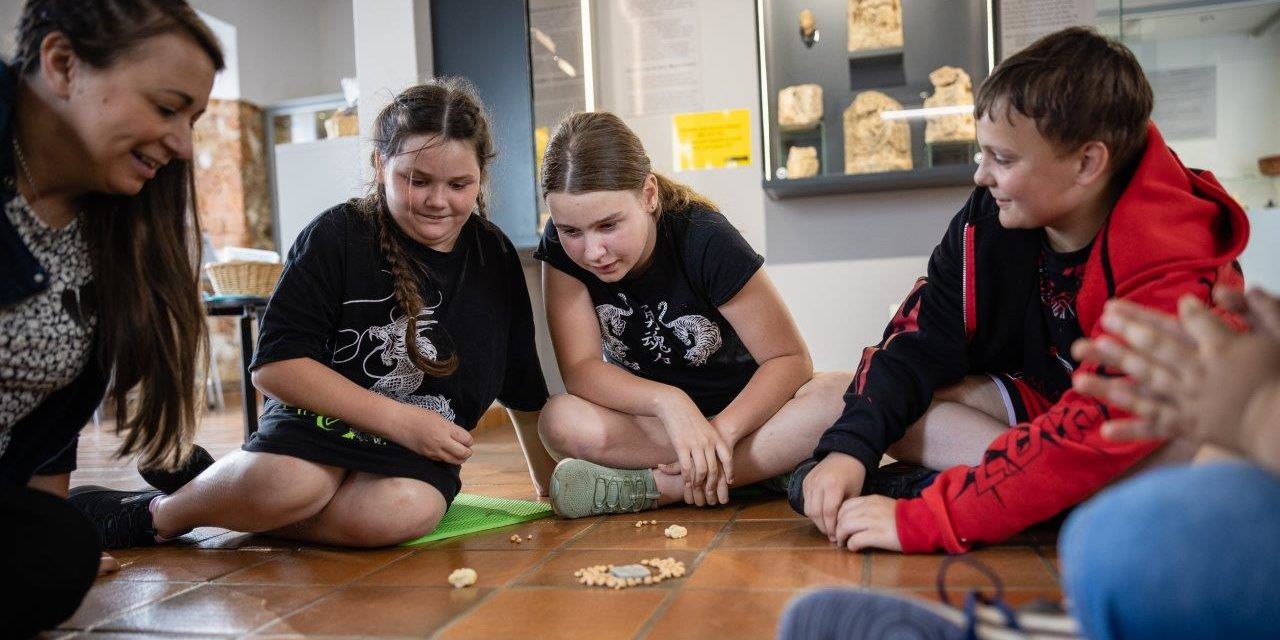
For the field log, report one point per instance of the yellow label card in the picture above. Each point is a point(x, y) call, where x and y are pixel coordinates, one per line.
point(712, 139)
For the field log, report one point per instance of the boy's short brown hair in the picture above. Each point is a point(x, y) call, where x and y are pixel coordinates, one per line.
point(1077, 85)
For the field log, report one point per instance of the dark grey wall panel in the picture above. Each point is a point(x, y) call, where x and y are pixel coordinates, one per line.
point(487, 41)
point(859, 226)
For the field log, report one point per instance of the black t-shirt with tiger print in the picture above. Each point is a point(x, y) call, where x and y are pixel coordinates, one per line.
point(665, 324)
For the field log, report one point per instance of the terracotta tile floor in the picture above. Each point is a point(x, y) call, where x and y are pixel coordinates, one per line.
point(746, 561)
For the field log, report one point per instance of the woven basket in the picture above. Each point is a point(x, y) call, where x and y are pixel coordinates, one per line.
point(1270, 165)
point(239, 278)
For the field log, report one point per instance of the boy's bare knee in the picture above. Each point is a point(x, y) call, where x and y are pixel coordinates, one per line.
point(976, 392)
point(827, 385)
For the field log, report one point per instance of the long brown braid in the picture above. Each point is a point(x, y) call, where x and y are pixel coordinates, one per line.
point(447, 109)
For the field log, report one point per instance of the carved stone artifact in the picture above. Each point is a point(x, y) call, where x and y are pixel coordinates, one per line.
point(951, 87)
point(871, 143)
point(802, 162)
point(874, 24)
point(808, 28)
point(800, 106)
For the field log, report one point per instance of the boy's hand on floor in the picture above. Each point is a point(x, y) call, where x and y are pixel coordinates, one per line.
point(868, 521)
point(1192, 376)
point(835, 479)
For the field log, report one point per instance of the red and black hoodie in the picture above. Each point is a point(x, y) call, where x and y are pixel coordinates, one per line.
point(1174, 231)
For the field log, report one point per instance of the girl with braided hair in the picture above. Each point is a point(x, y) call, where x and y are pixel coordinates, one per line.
point(399, 318)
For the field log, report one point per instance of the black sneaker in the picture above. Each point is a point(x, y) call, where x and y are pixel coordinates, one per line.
point(896, 480)
point(121, 518)
point(170, 481)
point(899, 480)
point(795, 489)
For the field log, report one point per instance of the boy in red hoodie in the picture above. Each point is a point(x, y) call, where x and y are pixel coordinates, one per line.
point(1079, 200)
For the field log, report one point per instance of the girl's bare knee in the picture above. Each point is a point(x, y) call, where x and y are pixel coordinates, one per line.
point(554, 424)
point(567, 427)
point(406, 508)
point(285, 487)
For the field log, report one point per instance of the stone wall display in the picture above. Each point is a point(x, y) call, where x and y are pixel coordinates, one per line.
point(874, 24)
point(951, 87)
point(230, 166)
point(800, 106)
point(802, 162)
point(230, 169)
point(871, 143)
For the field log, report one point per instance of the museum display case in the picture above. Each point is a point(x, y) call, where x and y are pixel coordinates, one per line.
point(870, 95)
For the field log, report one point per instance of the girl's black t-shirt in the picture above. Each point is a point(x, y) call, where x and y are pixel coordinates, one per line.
point(335, 304)
point(665, 324)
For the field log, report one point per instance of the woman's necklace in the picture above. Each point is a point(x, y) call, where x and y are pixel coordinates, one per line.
point(26, 171)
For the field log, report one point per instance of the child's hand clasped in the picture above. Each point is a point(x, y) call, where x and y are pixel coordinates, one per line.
point(868, 522)
point(704, 458)
point(429, 434)
point(1192, 376)
point(836, 479)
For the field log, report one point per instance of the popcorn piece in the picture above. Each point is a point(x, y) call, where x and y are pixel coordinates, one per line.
point(675, 532)
point(515, 537)
point(649, 571)
point(462, 578)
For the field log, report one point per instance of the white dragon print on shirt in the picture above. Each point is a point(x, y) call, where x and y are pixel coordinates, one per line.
point(389, 346)
point(700, 335)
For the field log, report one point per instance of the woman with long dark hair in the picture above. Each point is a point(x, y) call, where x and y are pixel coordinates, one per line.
point(99, 260)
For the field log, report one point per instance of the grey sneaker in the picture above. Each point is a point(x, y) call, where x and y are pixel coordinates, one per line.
point(580, 489)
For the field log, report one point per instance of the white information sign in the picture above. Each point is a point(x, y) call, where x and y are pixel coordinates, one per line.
point(1025, 21)
point(662, 68)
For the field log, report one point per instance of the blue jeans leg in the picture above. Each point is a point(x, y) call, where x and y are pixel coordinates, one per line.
point(1188, 552)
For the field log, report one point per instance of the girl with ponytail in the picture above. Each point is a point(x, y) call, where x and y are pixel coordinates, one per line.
point(705, 381)
point(399, 318)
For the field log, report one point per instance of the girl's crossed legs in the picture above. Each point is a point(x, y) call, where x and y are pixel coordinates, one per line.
point(301, 500)
point(572, 427)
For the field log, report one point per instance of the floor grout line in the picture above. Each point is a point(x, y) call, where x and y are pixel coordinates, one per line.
point(554, 552)
point(666, 603)
point(501, 466)
point(127, 610)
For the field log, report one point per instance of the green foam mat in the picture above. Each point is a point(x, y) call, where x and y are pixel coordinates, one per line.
point(470, 513)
